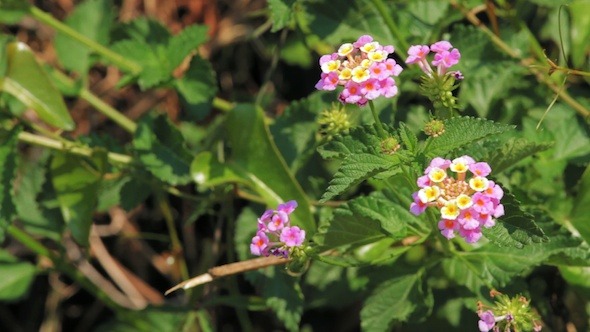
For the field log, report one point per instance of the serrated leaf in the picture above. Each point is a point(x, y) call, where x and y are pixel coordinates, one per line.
point(8, 155)
point(581, 209)
point(34, 195)
point(161, 149)
point(27, 81)
point(76, 181)
point(408, 138)
point(284, 296)
point(198, 86)
point(360, 139)
point(461, 131)
point(91, 18)
point(280, 12)
point(516, 228)
point(347, 228)
point(181, 45)
point(493, 267)
point(512, 152)
point(16, 277)
point(254, 153)
point(356, 168)
point(153, 71)
point(389, 215)
point(395, 301)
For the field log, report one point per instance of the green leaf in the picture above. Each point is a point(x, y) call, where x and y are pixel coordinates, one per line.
point(461, 131)
point(207, 171)
point(295, 130)
point(13, 11)
point(581, 208)
point(492, 267)
point(580, 32)
point(360, 139)
point(516, 228)
point(280, 12)
point(27, 81)
point(408, 138)
point(198, 87)
point(76, 181)
point(91, 18)
point(356, 168)
point(15, 277)
point(160, 147)
point(350, 228)
point(153, 70)
point(396, 300)
point(8, 155)
point(390, 216)
point(184, 43)
point(512, 152)
point(284, 296)
point(35, 198)
point(150, 44)
point(254, 153)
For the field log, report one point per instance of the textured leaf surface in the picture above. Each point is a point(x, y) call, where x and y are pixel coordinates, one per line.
point(254, 152)
point(581, 208)
point(150, 44)
point(361, 221)
point(15, 277)
point(461, 131)
point(280, 12)
point(198, 86)
point(160, 148)
point(76, 181)
point(360, 139)
point(91, 18)
point(516, 228)
point(395, 301)
point(512, 152)
point(356, 168)
point(27, 81)
point(8, 155)
point(284, 296)
point(492, 267)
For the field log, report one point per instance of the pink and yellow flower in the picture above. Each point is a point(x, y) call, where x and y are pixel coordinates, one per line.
point(460, 189)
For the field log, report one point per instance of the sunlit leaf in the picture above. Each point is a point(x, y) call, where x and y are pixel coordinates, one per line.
point(27, 81)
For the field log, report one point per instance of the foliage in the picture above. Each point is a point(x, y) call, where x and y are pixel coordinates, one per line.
point(137, 152)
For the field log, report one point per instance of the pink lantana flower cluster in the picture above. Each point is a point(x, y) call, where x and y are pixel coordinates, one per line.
point(275, 235)
point(362, 68)
point(467, 200)
point(508, 314)
point(445, 56)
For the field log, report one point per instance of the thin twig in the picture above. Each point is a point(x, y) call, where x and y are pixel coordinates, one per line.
point(227, 270)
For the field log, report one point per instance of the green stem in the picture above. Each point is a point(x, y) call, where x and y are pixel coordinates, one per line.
point(63, 266)
point(117, 59)
point(378, 124)
point(386, 16)
point(98, 103)
point(70, 147)
point(223, 105)
point(174, 238)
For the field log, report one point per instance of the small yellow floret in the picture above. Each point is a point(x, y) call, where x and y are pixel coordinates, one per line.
point(345, 49)
point(429, 194)
point(464, 201)
point(450, 210)
point(437, 175)
point(479, 183)
point(345, 74)
point(331, 66)
point(360, 74)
